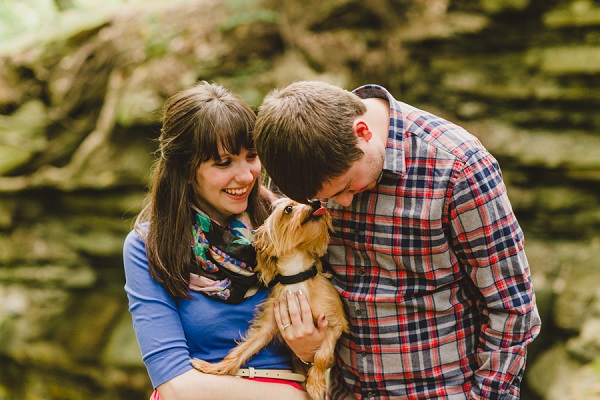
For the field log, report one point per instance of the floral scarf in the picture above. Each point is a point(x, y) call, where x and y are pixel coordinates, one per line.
point(226, 259)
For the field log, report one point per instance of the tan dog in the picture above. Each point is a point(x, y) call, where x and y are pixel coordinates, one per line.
point(290, 243)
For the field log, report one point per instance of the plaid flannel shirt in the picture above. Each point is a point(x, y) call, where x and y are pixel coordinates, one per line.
point(431, 267)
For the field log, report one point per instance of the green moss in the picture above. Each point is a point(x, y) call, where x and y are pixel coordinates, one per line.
point(21, 135)
point(249, 17)
point(578, 14)
point(156, 42)
point(565, 60)
point(12, 158)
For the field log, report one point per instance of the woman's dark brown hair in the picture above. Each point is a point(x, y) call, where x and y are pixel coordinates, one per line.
point(195, 122)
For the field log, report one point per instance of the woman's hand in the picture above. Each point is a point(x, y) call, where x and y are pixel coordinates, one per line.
point(295, 320)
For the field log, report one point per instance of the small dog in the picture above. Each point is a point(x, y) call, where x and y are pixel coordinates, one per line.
point(290, 243)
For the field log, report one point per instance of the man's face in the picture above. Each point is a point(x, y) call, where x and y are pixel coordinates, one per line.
point(361, 176)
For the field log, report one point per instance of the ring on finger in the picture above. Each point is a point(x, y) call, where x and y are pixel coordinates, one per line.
point(284, 326)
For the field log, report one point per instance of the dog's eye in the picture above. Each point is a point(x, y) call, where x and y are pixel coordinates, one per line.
point(288, 209)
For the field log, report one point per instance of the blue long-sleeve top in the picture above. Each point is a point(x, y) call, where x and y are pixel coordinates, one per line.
point(172, 332)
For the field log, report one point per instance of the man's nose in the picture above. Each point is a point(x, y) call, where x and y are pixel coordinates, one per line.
point(344, 199)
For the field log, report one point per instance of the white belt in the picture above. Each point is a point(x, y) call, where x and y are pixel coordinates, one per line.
point(285, 374)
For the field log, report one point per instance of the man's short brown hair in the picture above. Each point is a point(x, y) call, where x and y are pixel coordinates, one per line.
point(304, 138)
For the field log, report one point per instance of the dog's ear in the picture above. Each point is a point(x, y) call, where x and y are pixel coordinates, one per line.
point(266, 267)
point(266, 264)
point(261, 242)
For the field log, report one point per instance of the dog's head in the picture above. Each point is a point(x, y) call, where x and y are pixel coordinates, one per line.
point(291, 227)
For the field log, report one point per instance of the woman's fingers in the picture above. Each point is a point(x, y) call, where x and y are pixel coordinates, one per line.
point(293, 314)
point(294, 317)
point(305, 310)
point(300, 315)
point(293, 309)
point(281, 317)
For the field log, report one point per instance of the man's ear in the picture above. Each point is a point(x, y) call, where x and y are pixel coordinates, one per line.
point(361, 129)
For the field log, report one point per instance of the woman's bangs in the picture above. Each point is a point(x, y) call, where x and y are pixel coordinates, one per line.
point(209, 141)
point(235, 133)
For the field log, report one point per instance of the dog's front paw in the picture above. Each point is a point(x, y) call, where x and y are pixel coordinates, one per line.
point(206, 367)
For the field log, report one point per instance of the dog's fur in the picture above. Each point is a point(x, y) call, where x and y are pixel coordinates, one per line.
point(290, 241)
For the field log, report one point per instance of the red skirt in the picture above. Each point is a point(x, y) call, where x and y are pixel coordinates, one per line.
point(297, 385)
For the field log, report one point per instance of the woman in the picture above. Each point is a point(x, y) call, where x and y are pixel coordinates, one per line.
point(189, 262)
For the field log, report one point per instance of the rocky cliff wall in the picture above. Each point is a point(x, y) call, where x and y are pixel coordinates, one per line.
point(79, 107)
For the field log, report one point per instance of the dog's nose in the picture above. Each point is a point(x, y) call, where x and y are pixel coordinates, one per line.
point(315, 204)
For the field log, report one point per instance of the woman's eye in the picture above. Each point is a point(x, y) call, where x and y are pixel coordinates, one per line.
point(252, 155)
point(288, 209)
point(222, 163)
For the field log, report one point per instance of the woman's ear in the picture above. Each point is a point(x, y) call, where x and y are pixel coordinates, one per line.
point(361, 129)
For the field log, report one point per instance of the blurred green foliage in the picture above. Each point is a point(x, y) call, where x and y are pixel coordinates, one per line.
point(21, 17)
point(257, 15)
point(247, 11)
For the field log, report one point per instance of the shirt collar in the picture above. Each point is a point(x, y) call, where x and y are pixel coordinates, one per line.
point(394, 150)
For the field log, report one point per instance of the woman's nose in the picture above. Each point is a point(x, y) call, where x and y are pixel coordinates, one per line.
point(244, 173)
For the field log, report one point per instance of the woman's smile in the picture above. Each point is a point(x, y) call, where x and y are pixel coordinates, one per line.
point(237, 192)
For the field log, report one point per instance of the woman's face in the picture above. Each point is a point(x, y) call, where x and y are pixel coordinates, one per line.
point(224, 185)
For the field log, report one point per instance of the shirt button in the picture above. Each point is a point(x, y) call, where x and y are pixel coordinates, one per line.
point(362, 271)
point(363, 354)
point(357, 312)
point(370, 394)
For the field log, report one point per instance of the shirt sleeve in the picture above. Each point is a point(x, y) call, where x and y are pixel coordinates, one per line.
point(489, 243)
point(155, 317)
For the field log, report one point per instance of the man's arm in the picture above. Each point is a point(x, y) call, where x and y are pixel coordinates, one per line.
point(488, 240)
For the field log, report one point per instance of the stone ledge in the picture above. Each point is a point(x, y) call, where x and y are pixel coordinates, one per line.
point(61, 276)
point(578, 14)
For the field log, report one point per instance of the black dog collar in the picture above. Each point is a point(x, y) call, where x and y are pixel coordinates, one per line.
point(297, 278)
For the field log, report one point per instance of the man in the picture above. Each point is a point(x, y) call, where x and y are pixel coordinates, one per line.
point(426, 252)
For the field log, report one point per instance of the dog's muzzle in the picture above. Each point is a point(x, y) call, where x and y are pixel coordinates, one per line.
point(317, 208)
point(315, 204)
